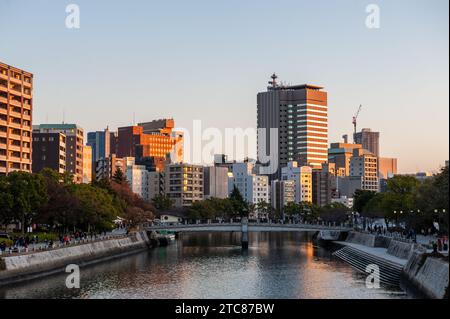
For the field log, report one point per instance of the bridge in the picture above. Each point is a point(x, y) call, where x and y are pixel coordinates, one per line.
point(245, 227)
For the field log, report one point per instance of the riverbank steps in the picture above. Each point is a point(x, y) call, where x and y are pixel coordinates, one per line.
point(38, 264)
point(428, 274)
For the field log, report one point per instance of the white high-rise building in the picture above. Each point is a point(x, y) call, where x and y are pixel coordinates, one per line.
point(253, 188)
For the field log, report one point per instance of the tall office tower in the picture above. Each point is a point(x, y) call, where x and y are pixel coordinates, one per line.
point(100, 142)
point(282, 193)
point(369, 140)
point(364, 165)
point(339, 154)
point(74, 146)
point(215, 182)
point(300, 114)
point(16, 104)
point(302, 176)
point(184, 183)
point(87, 164)
point(49, 151)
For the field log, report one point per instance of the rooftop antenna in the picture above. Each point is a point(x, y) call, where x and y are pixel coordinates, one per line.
point(134, 118)
point(64, 116)
point(274, 78)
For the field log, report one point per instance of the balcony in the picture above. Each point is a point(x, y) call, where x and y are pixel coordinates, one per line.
point(2, 134)
point(15, 125)
point(13, 136)
point(15, 114)
point(27, 84)
point(26, 117)
point(15, 91)
point(14, 148)
point(13, 79)
point(3, 76)
point(3, 100)
point(2, 169)
point(3, 122)
point(3, 87)
point(15, 103)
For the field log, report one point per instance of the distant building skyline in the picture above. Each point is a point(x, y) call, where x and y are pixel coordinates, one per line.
point(157, 62)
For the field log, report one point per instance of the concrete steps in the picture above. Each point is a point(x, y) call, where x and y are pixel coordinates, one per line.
point(389, 271)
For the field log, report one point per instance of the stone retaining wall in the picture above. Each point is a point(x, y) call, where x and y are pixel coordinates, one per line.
point(34, 265)
point(428, 274)
point(361, 238)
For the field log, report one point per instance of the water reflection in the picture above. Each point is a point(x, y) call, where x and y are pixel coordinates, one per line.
point(276, 265)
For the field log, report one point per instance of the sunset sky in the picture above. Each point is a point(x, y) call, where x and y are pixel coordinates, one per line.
point(206, 60)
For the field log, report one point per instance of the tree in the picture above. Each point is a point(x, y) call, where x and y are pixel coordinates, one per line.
point(240, 206)
point(162, 202)
point(335, 212)
point(96, 209)
point(29, 193)
point(361, 198)
point(119, 177)
point(6, 201)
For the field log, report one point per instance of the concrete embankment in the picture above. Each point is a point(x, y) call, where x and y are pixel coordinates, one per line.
point(428, 274)
point(398, 261)
point(34, 265)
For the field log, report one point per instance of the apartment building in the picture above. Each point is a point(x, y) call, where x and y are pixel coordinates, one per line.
point(302, 176)
point(364, 165)
point(74, 146)
point(16, 104)
point(49, 151)
point(281, 194)
point(184, 183)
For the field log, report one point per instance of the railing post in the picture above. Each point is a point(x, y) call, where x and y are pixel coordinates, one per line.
point(244, 235)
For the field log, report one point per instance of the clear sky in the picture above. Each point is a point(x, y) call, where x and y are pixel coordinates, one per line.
point(204, 59)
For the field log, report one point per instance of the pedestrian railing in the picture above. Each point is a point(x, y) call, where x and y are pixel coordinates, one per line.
point(18, 250)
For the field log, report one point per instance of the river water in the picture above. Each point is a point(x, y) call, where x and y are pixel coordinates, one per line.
point(276, 265)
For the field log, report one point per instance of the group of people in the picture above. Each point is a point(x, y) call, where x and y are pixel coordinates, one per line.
point(23, 242)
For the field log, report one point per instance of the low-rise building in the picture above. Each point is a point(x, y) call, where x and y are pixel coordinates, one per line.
point(184, 183)
point(282, 193)
point(302, 176)
point(215, 182)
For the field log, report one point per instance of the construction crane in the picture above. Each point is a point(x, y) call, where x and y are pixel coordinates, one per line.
point(354, 122)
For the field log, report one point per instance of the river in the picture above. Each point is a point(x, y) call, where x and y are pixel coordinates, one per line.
point(276, 265)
